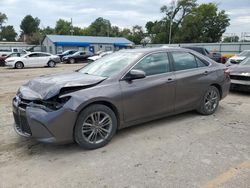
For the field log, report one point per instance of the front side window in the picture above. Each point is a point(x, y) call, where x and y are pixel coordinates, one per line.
point(157, 63)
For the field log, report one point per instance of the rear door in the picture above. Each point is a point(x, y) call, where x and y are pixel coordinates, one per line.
point(43, 59)
point(150, 96)
point(193, 76)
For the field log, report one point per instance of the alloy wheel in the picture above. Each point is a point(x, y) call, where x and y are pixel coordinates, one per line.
point(97, 127)
point(211, 100)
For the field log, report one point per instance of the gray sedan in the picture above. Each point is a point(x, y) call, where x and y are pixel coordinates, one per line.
point(125, 88)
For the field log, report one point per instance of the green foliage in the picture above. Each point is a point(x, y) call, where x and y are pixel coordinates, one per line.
point(190, 23)
point(100, 27)
point(29, 25)
point(8, 33)
point(3, 19)
point(63, 27)
point(231, 39)
point(205, 24)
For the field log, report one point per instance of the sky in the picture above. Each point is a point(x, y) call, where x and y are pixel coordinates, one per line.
point(123, 13)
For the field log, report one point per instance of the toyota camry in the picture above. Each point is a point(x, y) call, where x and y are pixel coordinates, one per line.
point(89, 105)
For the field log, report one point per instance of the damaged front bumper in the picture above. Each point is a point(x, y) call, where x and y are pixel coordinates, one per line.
point(46, 126)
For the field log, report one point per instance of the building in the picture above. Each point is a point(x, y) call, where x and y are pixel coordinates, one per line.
point(58, 43)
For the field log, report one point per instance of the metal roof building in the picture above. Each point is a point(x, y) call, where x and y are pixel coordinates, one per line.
point(59, 43)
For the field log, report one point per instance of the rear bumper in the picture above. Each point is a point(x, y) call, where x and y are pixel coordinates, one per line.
point(49, 127)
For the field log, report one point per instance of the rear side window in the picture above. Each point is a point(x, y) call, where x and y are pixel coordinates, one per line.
point(153, 64)
point(201, 63)
point(183, 61)
point(43, 55)
point(34, 55)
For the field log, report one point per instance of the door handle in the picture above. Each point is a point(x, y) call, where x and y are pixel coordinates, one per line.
point(206, 73)
point(170, 80)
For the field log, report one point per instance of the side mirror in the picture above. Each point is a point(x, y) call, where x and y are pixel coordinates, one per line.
point(135, 74)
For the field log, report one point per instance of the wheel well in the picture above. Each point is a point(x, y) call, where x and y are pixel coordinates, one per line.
point(19, 62)
point(108, 104)
point(219, 88)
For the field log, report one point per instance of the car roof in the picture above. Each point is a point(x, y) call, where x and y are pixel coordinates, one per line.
point(155, 49)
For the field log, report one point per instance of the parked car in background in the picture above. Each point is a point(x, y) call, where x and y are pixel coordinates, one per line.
point(122, 89)
point(3, 58)
point(95, 57)
point(216, 56)
point(12, 50)
point(240, 76)
point(65, 53)
point(76, 57)
point(237, 59)
point(34, 59)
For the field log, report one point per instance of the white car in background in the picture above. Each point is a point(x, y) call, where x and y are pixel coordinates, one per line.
point(237, 59)
point(102, 54)
point(34, 59)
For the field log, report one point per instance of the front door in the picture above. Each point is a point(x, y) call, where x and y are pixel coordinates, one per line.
point(152, 95)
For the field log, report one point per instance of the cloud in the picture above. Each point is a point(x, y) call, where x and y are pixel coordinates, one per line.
point(120, 12)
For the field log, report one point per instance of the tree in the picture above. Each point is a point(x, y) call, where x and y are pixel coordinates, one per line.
point(48, 31)
point(231, 39)
point(100, 27)
point(176, 12)
point(205, 24)
point(29, 25)
point(3, 19)
point(63, 27)
point(8, 33)
point(137, 34)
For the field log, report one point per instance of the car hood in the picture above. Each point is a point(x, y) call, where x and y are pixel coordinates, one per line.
point(240, 70)
point(48, 86)
point(13, 58)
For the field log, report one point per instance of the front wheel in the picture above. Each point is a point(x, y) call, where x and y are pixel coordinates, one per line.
point(71, 61)
point(210, 101)
point(19, 65)
point(51, 64)
point(95, 127)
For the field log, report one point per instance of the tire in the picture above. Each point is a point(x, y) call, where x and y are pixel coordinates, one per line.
point(19, 65)
point(95, 126)
point(210, 101)
point(71, 61)
point(51, 63)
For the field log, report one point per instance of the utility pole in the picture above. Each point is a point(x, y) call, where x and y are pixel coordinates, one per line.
point(171, 21)
point(71, 25)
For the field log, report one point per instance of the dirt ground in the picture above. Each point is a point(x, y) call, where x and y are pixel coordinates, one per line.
point(186, 150)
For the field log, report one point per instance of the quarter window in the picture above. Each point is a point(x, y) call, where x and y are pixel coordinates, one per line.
point(157, 63)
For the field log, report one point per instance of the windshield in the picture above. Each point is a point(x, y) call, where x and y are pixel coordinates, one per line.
point(111, 64)
point(245, 53)
point(246, 62)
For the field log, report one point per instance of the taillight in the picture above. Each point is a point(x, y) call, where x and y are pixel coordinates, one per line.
point(226, 72)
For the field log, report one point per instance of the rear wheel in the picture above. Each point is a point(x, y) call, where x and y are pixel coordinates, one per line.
point(19, 65)
point(210, 101)
point(95, 127)
point(71, 61)
point(51, 63)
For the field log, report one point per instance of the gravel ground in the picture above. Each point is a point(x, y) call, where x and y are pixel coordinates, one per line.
point(186, 150)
